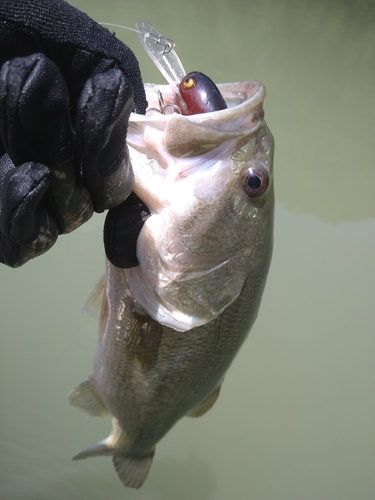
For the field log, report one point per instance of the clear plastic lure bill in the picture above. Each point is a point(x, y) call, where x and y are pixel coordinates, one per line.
point(195, 92)
point(162, 53)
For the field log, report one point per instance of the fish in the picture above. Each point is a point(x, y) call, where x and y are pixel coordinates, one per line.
point(170, 327)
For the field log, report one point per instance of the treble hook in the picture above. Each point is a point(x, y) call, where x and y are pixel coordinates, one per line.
point(164, 107)
point(160, 100)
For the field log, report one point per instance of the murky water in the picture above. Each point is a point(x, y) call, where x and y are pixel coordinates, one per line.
point(295, 417)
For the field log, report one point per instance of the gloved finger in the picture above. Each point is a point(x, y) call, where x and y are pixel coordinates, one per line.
point(35, 125)
point(102, 121)
point(121, 229)
point(34, 111)
point(15, 254)
point(26, 227)
point(22, 193)
point(6, 165)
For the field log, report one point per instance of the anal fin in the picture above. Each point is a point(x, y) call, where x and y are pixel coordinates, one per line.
point(132, 470)
point(205, 405)
point(84, 398)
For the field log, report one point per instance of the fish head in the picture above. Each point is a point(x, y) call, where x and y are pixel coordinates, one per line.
point(207, 180)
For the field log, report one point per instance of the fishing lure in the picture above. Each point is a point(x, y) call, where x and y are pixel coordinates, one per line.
point(195, 92)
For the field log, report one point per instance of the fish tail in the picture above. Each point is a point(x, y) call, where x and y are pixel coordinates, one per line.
point(132, 470)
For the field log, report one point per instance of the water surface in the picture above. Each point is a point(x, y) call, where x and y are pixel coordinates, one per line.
point(295, 417)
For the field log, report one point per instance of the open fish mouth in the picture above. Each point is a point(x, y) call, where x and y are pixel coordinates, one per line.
point(234, 94)
point(171, 136)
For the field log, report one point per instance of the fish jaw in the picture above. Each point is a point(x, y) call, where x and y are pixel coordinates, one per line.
point(204, 236)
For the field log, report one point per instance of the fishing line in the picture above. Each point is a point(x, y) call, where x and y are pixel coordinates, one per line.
point(167, 43)
point(119, 26)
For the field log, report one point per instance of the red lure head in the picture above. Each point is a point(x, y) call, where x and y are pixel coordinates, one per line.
point(200, 94)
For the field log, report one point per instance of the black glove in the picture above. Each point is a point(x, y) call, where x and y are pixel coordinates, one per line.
point(66, 92)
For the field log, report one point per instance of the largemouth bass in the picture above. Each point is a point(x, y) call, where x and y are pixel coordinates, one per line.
point(170, 327)
point(204, 256)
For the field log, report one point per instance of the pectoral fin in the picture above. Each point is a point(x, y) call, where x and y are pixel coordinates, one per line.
point(84, 398)
point(132, 470)
point(205, 405)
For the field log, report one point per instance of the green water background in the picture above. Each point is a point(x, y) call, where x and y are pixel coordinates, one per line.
point(295, 418)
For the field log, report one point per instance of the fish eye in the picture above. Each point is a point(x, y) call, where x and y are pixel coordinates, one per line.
point(189, 83)
point(254, 182)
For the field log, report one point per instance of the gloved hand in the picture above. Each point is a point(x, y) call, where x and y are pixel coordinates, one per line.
point(67, 87)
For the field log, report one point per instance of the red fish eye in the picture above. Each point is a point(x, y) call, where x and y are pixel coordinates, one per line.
point(254, 182)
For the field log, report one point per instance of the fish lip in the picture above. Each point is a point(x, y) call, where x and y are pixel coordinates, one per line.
point(242, 97)
point(185, 136)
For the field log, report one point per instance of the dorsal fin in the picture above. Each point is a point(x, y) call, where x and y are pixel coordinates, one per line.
point(96, 450)
point(117, 440)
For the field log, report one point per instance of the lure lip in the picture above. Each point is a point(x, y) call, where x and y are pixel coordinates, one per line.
point(161, 51)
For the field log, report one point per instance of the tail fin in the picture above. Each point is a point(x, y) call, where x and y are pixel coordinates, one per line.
point(132, 470)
